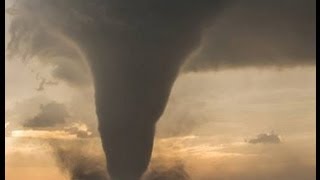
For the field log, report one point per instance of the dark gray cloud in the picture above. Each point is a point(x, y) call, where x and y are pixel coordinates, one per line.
point(50, 115)
point(265, 139)
point(41, 113)
point(49, 47)
point(260, 34)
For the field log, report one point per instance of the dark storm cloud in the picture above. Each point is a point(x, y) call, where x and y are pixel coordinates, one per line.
point(265, 139)
point(259, 34)
point(50, 115)
point(33, 38)
point(135, 50)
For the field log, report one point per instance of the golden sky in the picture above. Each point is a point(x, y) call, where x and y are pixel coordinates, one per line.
point(206, 124)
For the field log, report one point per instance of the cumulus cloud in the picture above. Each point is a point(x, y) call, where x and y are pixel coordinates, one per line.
point(50, 115)
point(270, 138)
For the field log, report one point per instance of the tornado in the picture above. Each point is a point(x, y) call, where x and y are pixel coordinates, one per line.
point(134, 49)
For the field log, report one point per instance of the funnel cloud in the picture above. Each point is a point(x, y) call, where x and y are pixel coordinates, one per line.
point(135, 50)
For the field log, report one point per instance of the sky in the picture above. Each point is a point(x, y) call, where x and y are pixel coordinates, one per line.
point(229, 119)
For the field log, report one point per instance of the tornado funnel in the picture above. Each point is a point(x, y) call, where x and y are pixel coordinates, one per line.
point(135, 50)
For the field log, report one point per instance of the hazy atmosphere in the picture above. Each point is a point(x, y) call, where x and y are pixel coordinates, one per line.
point(234, 88)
